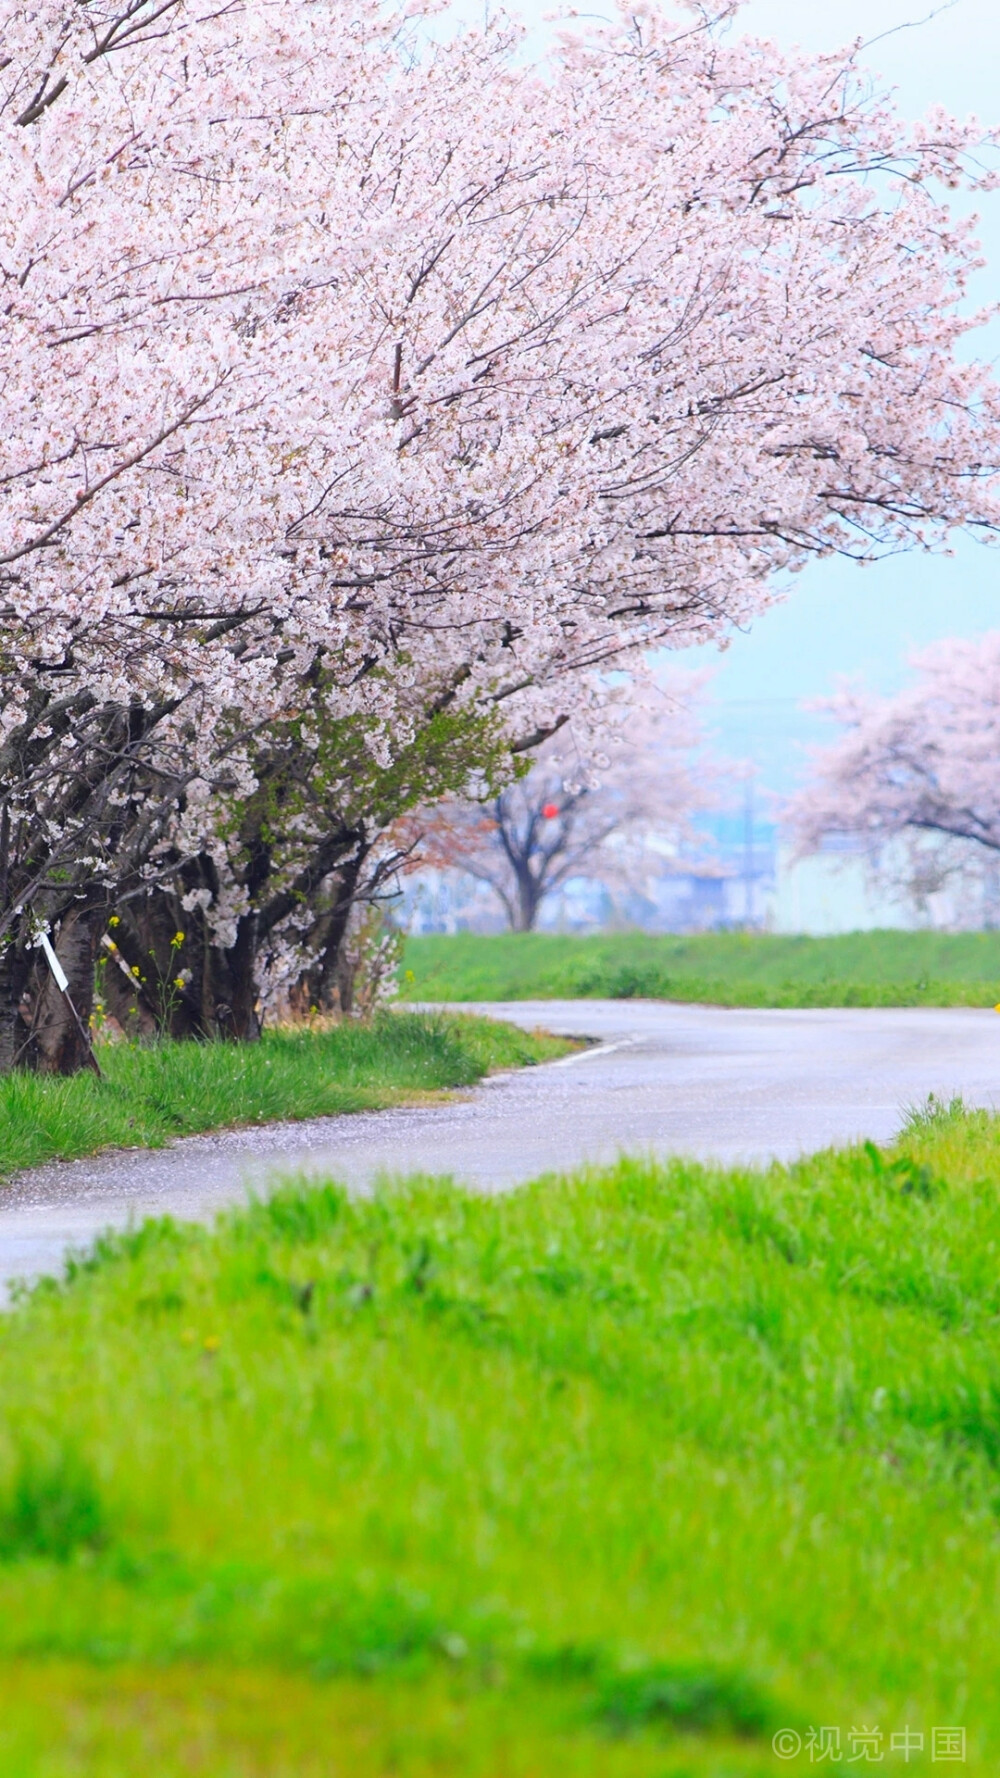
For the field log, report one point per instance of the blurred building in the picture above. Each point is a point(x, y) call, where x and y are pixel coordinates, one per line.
point(747, 878)
point(834, 891)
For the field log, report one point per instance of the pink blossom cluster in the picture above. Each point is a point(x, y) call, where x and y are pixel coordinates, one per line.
point(914, 779)
point(615, 818)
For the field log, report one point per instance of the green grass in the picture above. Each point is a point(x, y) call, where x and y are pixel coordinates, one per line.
point(613, 1475)
point(725, 968)
point(153, 1093)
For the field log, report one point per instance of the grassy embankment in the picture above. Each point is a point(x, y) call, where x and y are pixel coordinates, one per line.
point(153, 1093)
point(613, 1475)
point(726, 968)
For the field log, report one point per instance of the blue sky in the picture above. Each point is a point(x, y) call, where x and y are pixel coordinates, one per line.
point(838, 619)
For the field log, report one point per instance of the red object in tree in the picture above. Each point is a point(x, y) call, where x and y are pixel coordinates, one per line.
point(550, 810)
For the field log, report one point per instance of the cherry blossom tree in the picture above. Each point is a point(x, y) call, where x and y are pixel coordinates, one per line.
point(610, 818)
point(914, 779)
point(336, 359)
point(313, 839)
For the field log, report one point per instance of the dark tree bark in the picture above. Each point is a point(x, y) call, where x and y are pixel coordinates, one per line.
point(522, 850)
point(236, 982)
point(118, 997)
point(171, 976)
point(58, 1044)
point(329, 984)
point(167, 976)
point(73, 769)
point(16, 966)
point(529, 898)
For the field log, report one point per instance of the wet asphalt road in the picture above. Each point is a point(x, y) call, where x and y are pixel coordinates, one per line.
point(715, 1082)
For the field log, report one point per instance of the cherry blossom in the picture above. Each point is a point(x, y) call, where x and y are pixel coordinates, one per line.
point(614, 818)
point(332, 356)
point(914, 779)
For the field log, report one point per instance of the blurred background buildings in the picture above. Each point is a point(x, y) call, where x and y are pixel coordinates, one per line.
point(758, 887)
point(747, 878)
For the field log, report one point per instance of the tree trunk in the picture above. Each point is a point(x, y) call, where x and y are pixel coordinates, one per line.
point(529, 900)
point(142, 982)
point(15, 974)
point(59, 1045)
point(37, 1028)
point(329, 984)
point(236, 976)
point(169, 977)
point(119, 997)
point(178, 980)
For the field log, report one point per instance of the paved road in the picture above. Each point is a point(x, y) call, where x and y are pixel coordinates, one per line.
point(701, 1080)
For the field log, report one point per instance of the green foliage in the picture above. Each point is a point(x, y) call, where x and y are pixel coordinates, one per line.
point(725, 968)
point(154, 1092)
point(614, 1475)
point(676, 1697)
point(52, 1509)
point(447, 746)
point(323, 772)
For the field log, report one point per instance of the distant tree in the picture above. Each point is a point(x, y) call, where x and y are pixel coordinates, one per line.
point(915, 779)
point(598, 817)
